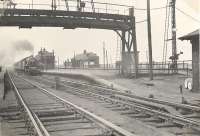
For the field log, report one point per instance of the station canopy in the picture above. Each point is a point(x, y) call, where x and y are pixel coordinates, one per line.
point(191, 35)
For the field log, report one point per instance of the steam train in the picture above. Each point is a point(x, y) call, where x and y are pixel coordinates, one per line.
point(29, 65)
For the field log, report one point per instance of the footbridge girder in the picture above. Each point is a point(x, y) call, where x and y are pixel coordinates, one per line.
point(66, 19)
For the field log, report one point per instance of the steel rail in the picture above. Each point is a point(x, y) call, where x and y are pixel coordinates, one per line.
point(30, 114)
point(115, 129)
point(177, 119)
point(160, 107)
point(41, 125)
point(173, 104)
point(137, 99)
point(173, 118)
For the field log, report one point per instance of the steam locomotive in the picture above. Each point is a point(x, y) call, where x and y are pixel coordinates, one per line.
point(29, 65)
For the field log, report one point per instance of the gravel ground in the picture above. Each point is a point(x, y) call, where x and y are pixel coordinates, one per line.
point(99, 109)
point(11, 128)
point(93, 106)
point(8, 128)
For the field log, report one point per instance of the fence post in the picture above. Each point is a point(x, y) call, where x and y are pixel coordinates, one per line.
point(168, 69)
point(177, 67)
point(106, 7)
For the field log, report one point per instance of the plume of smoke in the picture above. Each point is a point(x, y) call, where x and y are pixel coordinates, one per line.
point(23, 46)
point(15, 51)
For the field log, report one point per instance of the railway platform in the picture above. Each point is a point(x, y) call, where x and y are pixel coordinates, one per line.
point(100, 76)
point(162, 87)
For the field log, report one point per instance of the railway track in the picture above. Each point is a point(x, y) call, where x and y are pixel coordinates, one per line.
point(188, 110)
point(45, 114)
point(151, 114)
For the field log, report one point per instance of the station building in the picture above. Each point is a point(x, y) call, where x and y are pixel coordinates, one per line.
point(85, 60)
point(46, 58)
point(194, 38)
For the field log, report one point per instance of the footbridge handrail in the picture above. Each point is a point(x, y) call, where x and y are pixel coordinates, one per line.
point(97, 7)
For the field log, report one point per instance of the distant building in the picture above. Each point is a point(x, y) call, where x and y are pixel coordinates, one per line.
point(46, 58)
point(85, 60)
point(67, 64)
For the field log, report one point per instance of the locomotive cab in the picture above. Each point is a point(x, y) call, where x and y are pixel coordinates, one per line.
point(34, 71)
point(32, 67)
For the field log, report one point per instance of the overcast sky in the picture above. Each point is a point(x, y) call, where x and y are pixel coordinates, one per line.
point(66, 42)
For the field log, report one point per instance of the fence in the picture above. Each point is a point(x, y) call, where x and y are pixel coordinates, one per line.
point(183, 67)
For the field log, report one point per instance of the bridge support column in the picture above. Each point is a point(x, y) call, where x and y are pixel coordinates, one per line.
point(129, 63)
point(129, 53)
point(136, 59)
point(123, 65)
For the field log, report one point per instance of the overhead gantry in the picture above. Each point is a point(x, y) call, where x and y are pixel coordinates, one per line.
point(81, 17)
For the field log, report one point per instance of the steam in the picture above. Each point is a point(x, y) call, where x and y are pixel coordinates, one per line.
point(15, 51)
point(23, 46)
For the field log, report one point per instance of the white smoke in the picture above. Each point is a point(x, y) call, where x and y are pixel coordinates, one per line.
point(15, 51)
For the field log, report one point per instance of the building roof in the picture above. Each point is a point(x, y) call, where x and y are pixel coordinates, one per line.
point(81, 57)
point(26, 58)
point(191, 35)
point(86, 56)
point(44, 52)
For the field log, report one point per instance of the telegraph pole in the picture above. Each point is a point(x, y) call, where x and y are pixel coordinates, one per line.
point(104, 65)
point(106, 59)
point(58, 63)
point(78, 5)
point(174, 49)
point(149, 39)
point(53, 4)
